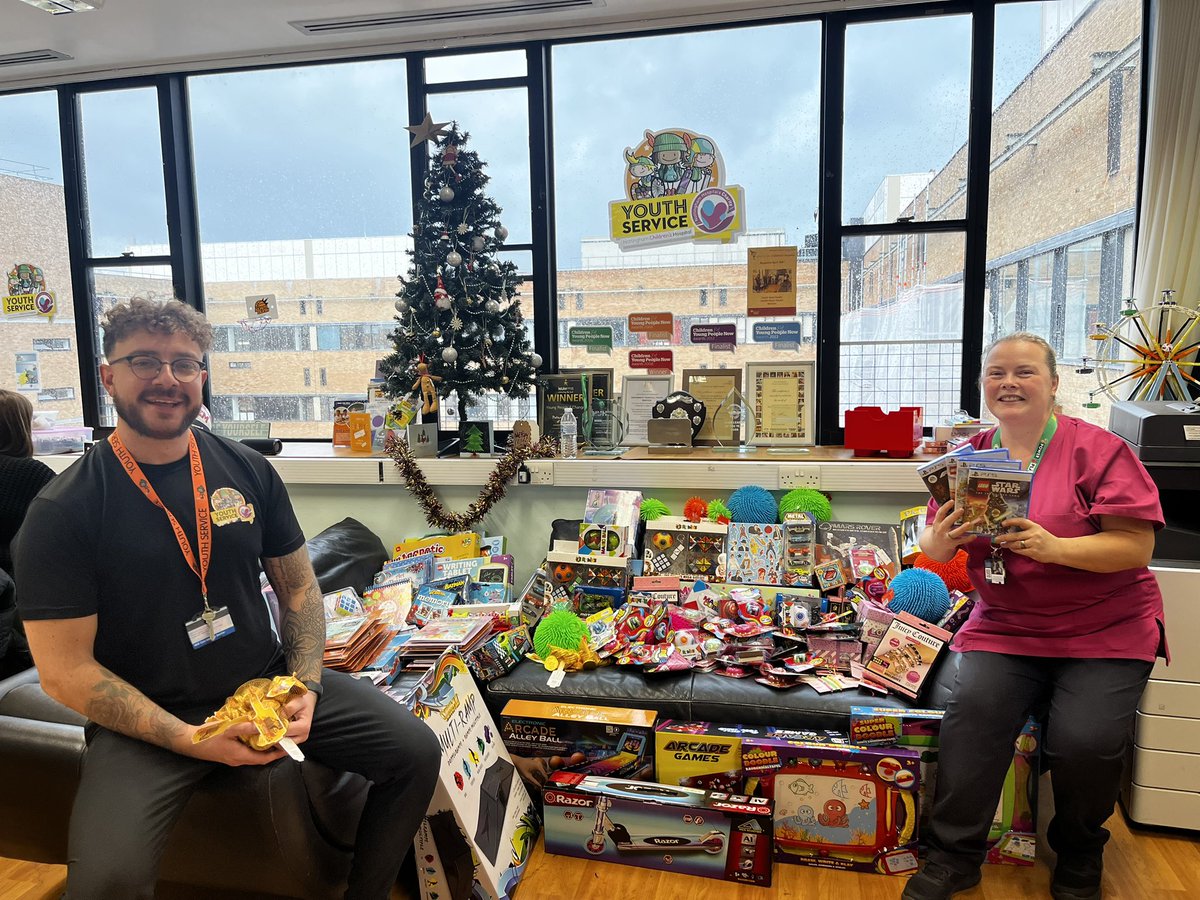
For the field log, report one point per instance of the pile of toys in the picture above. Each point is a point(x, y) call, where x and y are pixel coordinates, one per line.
point(746, 587)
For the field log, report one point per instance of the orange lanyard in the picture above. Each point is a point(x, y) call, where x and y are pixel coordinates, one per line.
point(199, 495)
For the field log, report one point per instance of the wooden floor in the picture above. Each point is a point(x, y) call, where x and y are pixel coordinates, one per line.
point(1140, 864)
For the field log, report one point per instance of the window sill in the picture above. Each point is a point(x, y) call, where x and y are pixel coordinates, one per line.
point(831, 469)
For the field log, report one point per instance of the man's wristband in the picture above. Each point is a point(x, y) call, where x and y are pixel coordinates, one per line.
point(316, 687)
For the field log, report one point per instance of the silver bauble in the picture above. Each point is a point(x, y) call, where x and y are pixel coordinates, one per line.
point(501, 232)
point(446, 194)
point(449, 355)
point(492, 307)
point(535, 360)
point(453, 258)
point(478, 243)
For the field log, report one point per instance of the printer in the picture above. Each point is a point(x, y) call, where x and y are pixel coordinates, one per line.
point(1159, 431)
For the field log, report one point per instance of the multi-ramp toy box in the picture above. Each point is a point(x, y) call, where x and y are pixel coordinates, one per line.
point(612, 741)
point(658, 826)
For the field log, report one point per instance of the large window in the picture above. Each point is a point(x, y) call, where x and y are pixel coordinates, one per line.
point(755, 93)
point(1063, 180)
point(37, 341)
point(302, 185)
point(906, 119)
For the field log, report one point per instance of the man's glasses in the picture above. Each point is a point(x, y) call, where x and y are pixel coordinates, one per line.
point(147, 367)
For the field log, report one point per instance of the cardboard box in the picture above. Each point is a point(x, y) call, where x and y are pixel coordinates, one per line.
point(656, 826)
point(840, 807)
point(613, 742)
point(463, 545)
point(709, 756)
point(481, 825)
point(1012, 839)
point(675, 546)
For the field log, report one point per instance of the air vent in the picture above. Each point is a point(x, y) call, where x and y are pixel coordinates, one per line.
point(449, 15)
point(32, 56)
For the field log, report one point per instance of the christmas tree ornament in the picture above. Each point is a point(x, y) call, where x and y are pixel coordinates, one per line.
point(437, 332)
point(492, 307)
point(449, 355)
point(453, 258)
point(535, 360)
point(426, 130)
point(449, 157)
point(440, 293)
point(443, 302)
point(401, 305)
point(501, 233)
point(446, 194)
point(463, 228)
point(456, 323)
point(477, 242)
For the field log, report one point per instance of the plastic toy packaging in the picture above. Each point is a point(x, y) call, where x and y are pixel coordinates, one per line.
point(261, 702)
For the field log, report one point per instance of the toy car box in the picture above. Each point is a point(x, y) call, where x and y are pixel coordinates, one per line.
point(709, 756)
point(613, 742)
point(658, 826)
point(840, 807)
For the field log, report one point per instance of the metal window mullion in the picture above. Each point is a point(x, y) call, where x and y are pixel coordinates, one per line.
point(78, 228)
point(829, 229)
point(979, 131)
point(541, 186)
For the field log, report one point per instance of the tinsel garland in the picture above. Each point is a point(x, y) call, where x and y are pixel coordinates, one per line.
point(493, 489)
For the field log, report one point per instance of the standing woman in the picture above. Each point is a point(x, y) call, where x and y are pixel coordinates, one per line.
point(21, 477)
point(1068, 613)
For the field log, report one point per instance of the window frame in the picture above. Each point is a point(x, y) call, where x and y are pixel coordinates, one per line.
point(183, 256)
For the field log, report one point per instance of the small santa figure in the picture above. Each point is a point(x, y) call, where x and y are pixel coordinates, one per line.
point(441, 297)
point(450, 159)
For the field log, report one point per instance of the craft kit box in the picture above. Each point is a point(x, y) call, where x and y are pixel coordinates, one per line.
point(614, 742)
point(657, 826)
point(481, 824)
point(1012, 838)
point(709, 756)
point(840, 807)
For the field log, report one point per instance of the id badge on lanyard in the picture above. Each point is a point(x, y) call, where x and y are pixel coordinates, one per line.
point(209, 625)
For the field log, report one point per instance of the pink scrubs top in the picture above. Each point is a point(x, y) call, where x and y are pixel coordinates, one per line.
point(1051, 610)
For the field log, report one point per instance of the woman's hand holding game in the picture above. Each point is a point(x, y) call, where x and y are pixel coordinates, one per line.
point(1029, 539)
point(946, 533)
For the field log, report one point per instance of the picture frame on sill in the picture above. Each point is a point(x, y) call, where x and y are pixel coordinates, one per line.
point(556, 393)
point(782, 396)
point(711, 387)
point(639, 393)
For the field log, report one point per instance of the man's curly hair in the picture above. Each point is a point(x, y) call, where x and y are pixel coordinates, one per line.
point(157, 317)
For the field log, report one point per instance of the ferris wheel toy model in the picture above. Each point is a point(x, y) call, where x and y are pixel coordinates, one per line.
point(1147, 354)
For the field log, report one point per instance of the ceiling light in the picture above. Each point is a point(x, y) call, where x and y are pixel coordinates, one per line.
point(59, 7)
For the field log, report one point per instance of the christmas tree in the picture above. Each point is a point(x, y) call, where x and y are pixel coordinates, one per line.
point(474, 442)
point(459, 311)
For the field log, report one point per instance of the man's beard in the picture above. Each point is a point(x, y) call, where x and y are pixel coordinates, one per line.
point(132, 416)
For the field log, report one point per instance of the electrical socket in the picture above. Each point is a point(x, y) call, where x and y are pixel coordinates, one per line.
point(541, 471)
point(792, 477)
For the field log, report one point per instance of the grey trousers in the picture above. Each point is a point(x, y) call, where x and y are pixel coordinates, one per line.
point(356, 728)
point(1091, 706)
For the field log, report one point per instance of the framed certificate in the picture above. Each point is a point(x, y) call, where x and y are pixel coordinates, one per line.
point(782, 396)
point(711, 387)
point(639, 393)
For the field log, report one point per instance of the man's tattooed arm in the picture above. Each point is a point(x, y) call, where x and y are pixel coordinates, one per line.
point(62, 650)
point(302, 615)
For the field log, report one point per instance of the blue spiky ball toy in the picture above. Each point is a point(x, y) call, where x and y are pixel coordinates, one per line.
point(920, 593)
point(753, 504)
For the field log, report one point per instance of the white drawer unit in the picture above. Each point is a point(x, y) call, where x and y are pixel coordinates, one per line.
point(1163, 778)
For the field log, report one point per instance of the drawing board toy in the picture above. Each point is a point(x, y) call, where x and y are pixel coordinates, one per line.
point(840, 807)
point(1012, 838)
point(657, 826)
point(481, 824)
point(613, 741)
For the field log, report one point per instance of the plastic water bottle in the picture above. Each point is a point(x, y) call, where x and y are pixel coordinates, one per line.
point(569, 435)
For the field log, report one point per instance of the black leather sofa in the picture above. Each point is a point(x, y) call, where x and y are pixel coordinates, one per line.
point(704, 697)
point(276, 830)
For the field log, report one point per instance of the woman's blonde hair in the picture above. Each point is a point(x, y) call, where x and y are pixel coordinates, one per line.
point(1029, 337)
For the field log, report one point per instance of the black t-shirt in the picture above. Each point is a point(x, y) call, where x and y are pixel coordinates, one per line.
point(93, 544)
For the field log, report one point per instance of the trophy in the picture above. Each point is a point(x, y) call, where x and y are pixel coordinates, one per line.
point(605, 425)
point(732, 422)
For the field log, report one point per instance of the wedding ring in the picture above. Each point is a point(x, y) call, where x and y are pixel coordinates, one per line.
point(1024, 545)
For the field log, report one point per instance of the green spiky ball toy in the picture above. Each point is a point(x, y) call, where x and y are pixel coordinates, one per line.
point(806, 500)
